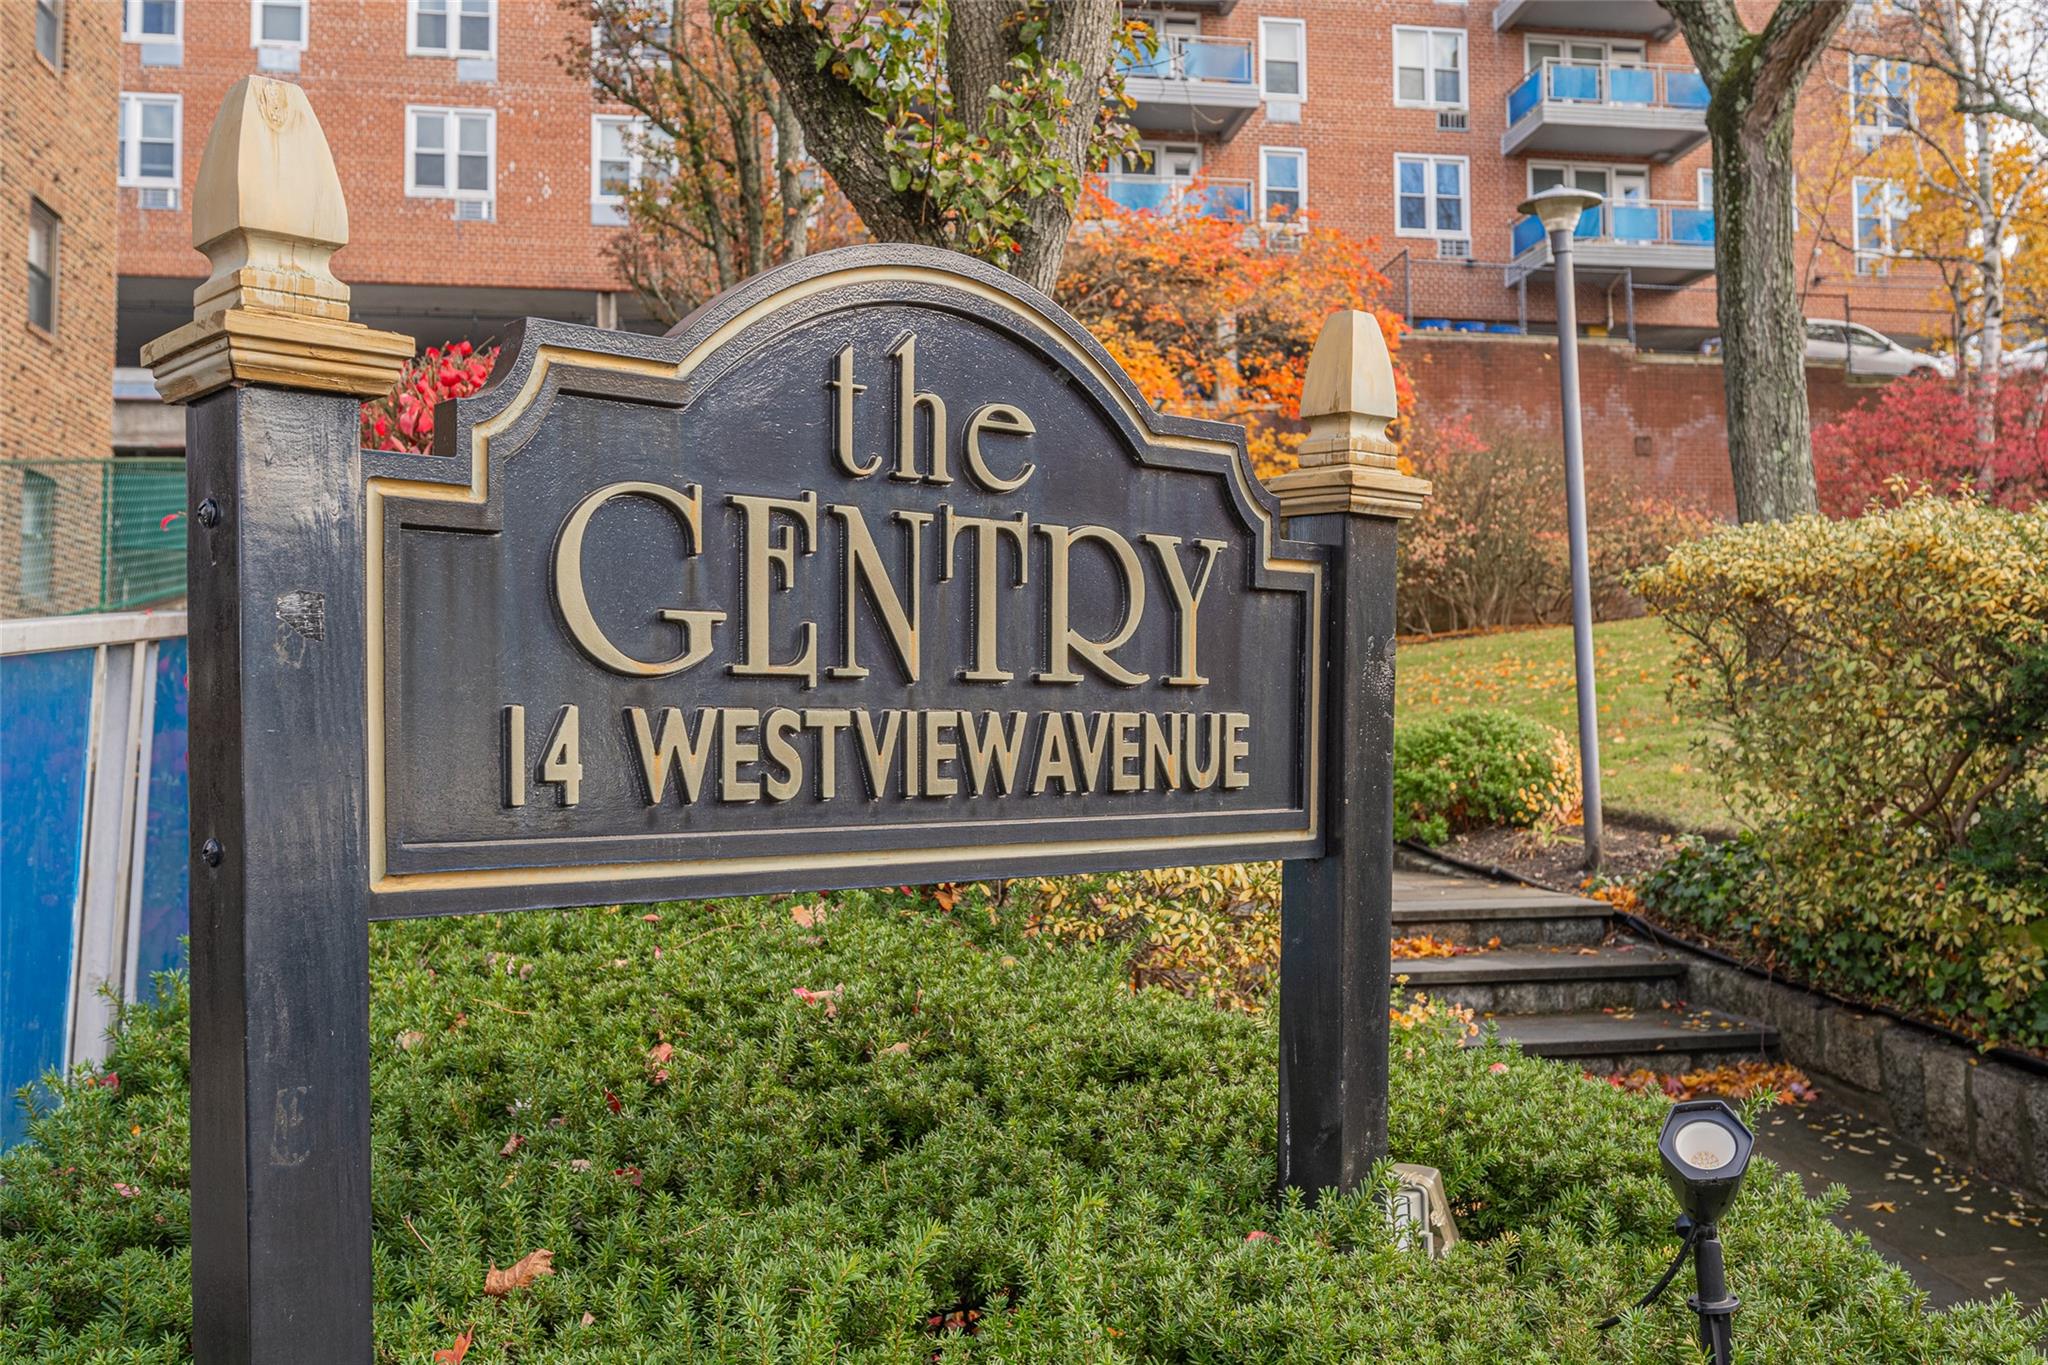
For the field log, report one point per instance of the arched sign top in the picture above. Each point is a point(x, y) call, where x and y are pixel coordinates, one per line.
point(877, 568)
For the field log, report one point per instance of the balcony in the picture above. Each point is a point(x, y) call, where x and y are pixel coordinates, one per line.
point(1598, 16)
point(1207, 198)
point(1653, 112)
point(1193, 86)
point(1669, 244)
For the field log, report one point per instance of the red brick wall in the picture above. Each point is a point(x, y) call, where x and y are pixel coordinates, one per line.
point(356, 72)
point(57, 136)
point(1653, 423)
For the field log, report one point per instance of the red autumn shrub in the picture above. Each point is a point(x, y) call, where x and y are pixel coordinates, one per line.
point(404, 418)
point(1923, 432)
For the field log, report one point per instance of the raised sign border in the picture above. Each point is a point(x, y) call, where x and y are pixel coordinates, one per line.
point(550, 354)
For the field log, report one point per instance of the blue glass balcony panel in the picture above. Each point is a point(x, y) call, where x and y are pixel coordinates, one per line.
point(1631, 85)
point(1692, 227)
point(1685, 90)
point(1635, 223)
point(1574, 82)
point(1223, 201)
point(1591, 223)
point(1525, 97)
point(1227, 62)
point(1141, 195)
point(1528, 232)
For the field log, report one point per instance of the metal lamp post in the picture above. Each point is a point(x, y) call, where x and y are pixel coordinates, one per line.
point(1560, 209)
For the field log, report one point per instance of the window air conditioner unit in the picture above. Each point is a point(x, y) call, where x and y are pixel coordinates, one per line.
point(472, 210)
point(1454, 248)
point(1452, 121)
point(157, 196)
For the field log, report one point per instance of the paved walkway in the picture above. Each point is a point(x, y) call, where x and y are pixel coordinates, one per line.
point(1566, 983)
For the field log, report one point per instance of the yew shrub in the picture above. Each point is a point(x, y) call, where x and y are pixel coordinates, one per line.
point(1478, 768)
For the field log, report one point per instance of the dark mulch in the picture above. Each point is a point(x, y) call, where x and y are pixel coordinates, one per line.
point(1632, 847)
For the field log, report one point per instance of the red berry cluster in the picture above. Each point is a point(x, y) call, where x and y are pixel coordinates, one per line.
point(404, 418)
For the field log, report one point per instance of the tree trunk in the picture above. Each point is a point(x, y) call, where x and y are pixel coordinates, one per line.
point(1991, 336)
point(1763, 335)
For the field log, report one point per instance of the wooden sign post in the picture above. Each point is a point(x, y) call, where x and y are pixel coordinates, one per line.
point(876, 569)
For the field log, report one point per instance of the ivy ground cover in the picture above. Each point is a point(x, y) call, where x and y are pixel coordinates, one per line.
point(871, 1129)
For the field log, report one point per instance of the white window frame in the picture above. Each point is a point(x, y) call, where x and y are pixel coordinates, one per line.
point(453, 49)
point(636, 162)
point(1896, 211)
point(130, 143)
point(1300, 26)
point(1612, 168)
point(1300, 154)
point(1881, 98)
point(1703, 195)
point(131, 21)
point(1429, 70)
point(256, 38)
point(1429, 230)
point(449, 145)
point(1633, 47)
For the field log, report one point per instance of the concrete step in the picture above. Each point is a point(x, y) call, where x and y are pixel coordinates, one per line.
point(1471, 912)
point(1660, 1040)
point(1549, 981)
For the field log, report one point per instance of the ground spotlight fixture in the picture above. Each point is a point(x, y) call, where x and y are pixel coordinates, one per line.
point(1705, 1146)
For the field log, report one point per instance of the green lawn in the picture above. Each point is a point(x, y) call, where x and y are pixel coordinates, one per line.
point(1647, 762)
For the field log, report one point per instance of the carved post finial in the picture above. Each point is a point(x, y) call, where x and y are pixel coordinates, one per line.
point(268, 213)
point(1348, 398)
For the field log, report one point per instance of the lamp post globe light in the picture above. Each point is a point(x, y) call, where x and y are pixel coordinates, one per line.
point(1559, 209)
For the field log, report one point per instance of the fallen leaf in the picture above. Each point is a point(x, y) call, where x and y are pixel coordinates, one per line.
point(410, 1039)
point(807, 916)
point(650, 918)
point(125, 1191)
point(630, 1174)
point(581, 1163)
point(454, 1354)
point(1882, 1206)
point(1498, 1068)
point(521, 1273)
point(1256, 1236)
point(660, 1053)
point(611, 1102)
point(512, 1144)
point(895, 1049)
point(587, 1319)
point(946, 894)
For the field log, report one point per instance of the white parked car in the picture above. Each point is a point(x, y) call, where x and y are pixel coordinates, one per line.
point(1863, 351)
point(1867, 352)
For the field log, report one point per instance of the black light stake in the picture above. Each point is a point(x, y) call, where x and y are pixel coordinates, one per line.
point(1706, 1148)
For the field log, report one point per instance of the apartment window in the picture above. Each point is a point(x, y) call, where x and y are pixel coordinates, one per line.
point(1283, 183)
point(1880, 95)
point(43, 232)
point(151, 128)
point(450, 153)
point(277, 23)
point(453, 28)
point(617, 159)
point(38, 536)
point(1705, 197)
point(1581, 51)
point(1880, 209)
point(1429, 196)
point(1429, 67)
point(1283, 58)
point(146, 21)
point(50, 32)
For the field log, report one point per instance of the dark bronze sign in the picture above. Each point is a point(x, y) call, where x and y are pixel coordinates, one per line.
point(876, 571)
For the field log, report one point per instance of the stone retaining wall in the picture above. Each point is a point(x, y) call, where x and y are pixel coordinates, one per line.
point(1969, 1108)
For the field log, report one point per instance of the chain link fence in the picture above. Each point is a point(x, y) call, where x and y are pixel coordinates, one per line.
point(80, 535)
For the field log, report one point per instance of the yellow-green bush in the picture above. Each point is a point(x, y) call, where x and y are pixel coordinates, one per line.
point(1877, 694)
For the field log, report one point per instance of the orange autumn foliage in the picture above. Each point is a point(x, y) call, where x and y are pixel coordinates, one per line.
point(1210, 322)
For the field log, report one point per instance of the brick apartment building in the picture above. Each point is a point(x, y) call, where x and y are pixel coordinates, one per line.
point(57, 231)
point(470, 155)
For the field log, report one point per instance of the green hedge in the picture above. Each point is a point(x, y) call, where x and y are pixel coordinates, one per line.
point(1080, 1162)
point(1482, 767)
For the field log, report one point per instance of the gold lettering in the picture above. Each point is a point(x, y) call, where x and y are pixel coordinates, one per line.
point(1162, 750)
point(908, 401)
point(781, 724)
point(1090, 746)
point(864, 565)
point(911, 772)
point(1186, 601)
point(1123, 747)
point(1001, 419)
point(1053, 759)
point(879, 755)
point(1063, 640)
point(562, 763)
point(828, 723)
point(937, 751)
point(690, 752)
point(1201, 777)
point(989, 747)
point(771, 554)
point(514, 718)
point(1237, 747)
point(733, 751)
point(845, 390)
point(574, 603)
point(988, 533)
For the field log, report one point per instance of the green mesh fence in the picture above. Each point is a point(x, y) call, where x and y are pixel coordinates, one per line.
point(90, 535)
